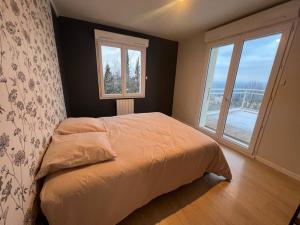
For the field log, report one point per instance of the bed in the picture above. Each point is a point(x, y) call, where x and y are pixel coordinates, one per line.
point(155, 155)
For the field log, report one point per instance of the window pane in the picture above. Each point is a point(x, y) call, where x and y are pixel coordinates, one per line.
point(252, 77)
point(133, 71)
point(111, 68)
point(216, 77)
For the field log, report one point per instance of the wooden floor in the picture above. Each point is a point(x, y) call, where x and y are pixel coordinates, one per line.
point(256, 195)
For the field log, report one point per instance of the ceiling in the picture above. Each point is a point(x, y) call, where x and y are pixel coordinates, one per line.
point(171, 19)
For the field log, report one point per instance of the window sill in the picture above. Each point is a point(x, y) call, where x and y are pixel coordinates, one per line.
point(106, 97)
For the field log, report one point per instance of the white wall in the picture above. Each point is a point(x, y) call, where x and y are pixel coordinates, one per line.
point(190, 59)
point(281, 140)
point(280, 143)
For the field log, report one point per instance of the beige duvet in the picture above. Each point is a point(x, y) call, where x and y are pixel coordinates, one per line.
point(155, 154)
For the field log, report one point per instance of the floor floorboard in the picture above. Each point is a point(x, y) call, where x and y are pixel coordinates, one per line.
point(257, 195)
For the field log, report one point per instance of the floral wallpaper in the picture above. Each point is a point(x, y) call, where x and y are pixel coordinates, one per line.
point(31, 102)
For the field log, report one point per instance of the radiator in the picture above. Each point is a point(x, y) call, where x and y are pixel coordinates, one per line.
point(125, 106)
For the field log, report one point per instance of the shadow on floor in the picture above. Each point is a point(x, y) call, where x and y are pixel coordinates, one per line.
point(167, 204)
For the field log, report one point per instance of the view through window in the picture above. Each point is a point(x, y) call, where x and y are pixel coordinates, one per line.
point(111, 66)
point(133, 71)
point(219, 62)
point(252, 77)
point(248, 85)
point(113, 77)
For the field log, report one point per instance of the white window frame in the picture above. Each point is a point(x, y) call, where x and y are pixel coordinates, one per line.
point(285, 29)
point(124, 42)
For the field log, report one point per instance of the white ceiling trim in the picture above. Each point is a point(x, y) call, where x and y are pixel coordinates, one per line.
point(275, 15)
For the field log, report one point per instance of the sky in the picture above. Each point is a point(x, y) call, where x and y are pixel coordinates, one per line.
point(133, 57)
point(256, 60)
point(112, 57)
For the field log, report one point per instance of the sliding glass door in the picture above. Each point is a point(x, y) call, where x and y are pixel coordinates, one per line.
point(239, 80)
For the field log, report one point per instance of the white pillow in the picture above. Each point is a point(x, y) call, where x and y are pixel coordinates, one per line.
point(68, 151)
point(80, 125)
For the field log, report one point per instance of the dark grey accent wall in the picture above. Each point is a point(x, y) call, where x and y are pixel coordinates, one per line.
point(56, 28)
point(76, 47)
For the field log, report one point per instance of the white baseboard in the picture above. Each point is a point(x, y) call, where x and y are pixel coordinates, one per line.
point(278, 168)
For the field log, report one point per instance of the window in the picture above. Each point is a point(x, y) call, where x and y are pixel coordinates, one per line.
point(111, 69)
point(133, 71)
point(121, 64)
point(240, 74)
point(251, 80)
point(219, 62)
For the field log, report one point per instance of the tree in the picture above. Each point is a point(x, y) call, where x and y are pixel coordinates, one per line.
point(137, 76)
point(137, 68)
point(133, 82)
point(128, 79)
point(127, 64)
point(108, 80)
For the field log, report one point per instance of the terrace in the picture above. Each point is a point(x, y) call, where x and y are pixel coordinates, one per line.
point(242, 113)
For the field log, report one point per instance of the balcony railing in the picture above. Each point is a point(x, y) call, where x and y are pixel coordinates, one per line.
point(242, 99)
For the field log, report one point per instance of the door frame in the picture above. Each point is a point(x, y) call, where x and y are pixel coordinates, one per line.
point(285, 28)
